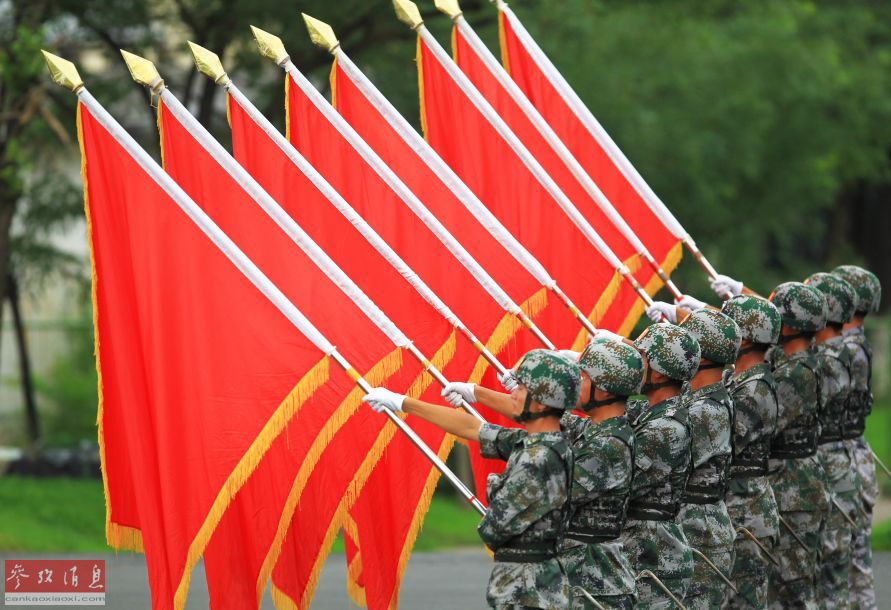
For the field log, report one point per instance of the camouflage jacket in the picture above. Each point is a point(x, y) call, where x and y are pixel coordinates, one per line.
point(528, 511)
point(798, 390)
point(602, 466)
point(661, 459)
point(754, 394)
point(833, 367)
point(710, 413)
point(860, 404)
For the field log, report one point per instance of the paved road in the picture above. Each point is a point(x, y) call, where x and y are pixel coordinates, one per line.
point(433, 581)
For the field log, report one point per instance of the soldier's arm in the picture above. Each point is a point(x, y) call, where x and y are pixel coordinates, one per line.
point(498, 442)
point(526, 496)
point(451, 420)
point(497, 401)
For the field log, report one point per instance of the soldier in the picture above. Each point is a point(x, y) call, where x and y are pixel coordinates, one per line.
point(528, 507)
point(868, 289)
point(834, 363)
point(750, 500)
point(653, 539)
point(704, 516)
point(797, 476)
point(602, 446)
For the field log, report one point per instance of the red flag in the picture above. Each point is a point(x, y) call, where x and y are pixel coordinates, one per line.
point(431, 333)
point(486, 162)
point(332, 155)
point(198, 372)
point(540, 90)
point(349, 446)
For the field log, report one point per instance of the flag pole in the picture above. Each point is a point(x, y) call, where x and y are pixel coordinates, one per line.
point(578, 107)
point(272, 48)
point(407, 12)
point(452, 9)
point(65, 74)
point(322, 35)
point(208, 63)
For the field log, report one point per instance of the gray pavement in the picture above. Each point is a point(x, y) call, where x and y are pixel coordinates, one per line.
point(433, 581)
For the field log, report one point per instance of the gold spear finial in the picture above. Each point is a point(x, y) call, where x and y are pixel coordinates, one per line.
point(64, 72)
point(408, 13)
point(271, 46)
point(449, 7)
point(208, 63)
point(321, 33)
point(143, 71)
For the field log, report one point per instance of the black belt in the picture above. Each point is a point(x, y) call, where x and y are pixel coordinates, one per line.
point(527, 553)
point(701, 501)
point(645, 511)
point(590, 536)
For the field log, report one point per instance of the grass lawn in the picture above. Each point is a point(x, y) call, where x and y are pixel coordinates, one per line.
point(68, 515)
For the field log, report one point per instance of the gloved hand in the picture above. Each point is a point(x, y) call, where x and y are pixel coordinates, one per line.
point(724, 284)
point(659, 310)
point(382, 399)
point(691, 304)
point(455, 391)
point(508, 381)
point(602, 333)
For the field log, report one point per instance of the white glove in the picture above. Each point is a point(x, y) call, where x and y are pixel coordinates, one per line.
point(455, 391)
point(659, 310)
point(691, 304)
point(382, 399)
point(602, 333)
point(509, 381)
point(724, 284)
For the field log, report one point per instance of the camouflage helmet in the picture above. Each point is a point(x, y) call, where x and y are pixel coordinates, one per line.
point(670, 350)
point(841, 300)
point(550, 379)
point(758, 319)
point(613, 366)
point(864, 283)
point(717, 335)
point(801, 306)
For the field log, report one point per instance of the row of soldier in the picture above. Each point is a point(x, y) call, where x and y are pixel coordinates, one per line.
point(742, 480)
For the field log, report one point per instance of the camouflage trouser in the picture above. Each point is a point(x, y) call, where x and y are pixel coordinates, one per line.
point(803, 503)
point(602, 570)
point(709, 530)
point(861, 582)
point(660, 547)
point(752, 505)
point(835, 549)
point(528, 585)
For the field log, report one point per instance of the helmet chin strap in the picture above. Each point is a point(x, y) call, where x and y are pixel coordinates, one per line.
point(794, 336)
point(711, 365)
point(527, 415)
point(649, 386)
point(594, 404)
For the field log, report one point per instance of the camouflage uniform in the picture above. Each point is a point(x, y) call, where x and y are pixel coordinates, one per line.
point(652, 537)
point(526, 517)
point(797, 480)
point(602, 456)
point(833, 366)
point(869, 294)
point(750, 499)
point(704, 516)
point(861, 581)
point(529, 502)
